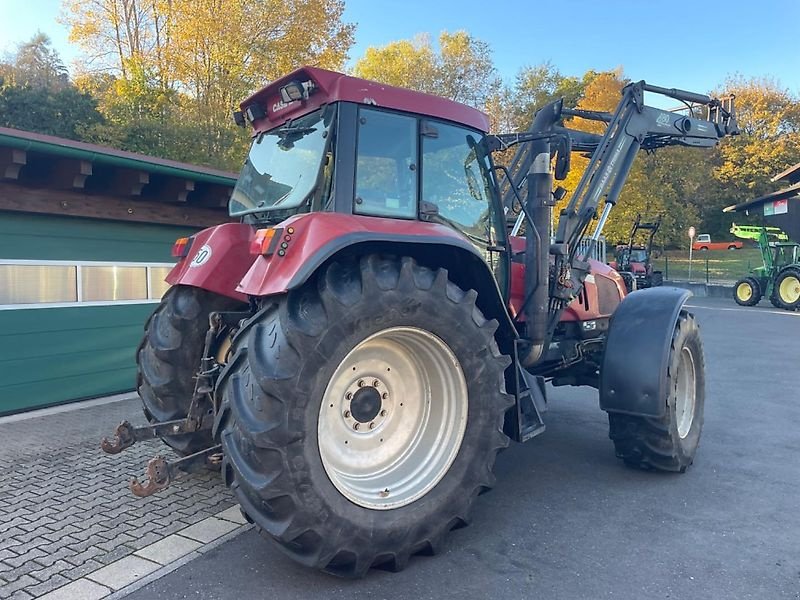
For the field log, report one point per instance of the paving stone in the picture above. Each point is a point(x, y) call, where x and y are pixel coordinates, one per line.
point(20, 595)
point(26, 557)
point(119, 540)
point(232, 514)
point(48, 585)
point(209, 529)
point(144, 540)
point(82, 589)
point(19, 584)
point(169, 549)
point(123, 572)
point(84, 569)
point(48, 572)
point(114, 555)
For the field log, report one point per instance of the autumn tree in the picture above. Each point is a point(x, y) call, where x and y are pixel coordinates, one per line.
point(461, 68)
point(769, 141)
point(180, 66)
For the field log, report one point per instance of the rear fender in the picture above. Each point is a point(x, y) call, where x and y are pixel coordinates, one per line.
point(318, 238)
point(633, 378)
point(218, 258)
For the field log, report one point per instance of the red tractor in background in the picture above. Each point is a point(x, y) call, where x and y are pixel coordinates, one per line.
point(634, 260)
point(356, 351)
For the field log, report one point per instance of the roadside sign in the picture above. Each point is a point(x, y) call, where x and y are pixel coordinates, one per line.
point(691, 238)
point(691, 232)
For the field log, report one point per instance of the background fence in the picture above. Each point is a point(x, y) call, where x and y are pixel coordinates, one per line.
point(711, 266)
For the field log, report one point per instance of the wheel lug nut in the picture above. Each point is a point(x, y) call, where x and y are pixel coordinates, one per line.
point(360, 383)
point(383, 412)
point(356, 426)
point(347, 414)
point(384, 395)
point(348, 396)
point(375, 383)
point(372, 425)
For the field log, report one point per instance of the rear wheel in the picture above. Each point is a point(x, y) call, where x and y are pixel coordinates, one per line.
point(361, 415)
point(668, 443)
point(169, 356)
point(747, 292)
point(787, 289)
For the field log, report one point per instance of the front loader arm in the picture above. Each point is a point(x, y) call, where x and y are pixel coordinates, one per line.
point(631, 127)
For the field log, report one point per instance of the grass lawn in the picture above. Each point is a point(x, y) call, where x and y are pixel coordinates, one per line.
point(710, 265)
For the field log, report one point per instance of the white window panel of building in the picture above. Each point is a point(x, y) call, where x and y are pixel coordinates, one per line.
point(158, 287)
point(99, 283)
point(34, 284)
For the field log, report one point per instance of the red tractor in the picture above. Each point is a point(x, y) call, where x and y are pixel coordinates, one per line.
point(356, 351)
point(634, 260)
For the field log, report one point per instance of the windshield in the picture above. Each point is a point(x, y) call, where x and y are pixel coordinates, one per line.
point(282, 168)
point(638, 256)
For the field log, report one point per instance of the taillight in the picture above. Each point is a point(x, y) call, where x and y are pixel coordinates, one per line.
point(265, 241)
point(180, 249)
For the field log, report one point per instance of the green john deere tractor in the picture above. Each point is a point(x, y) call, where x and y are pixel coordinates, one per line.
point(778, 278)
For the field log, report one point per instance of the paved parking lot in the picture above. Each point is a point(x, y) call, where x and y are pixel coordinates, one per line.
point(66, 514)
point(567, 520)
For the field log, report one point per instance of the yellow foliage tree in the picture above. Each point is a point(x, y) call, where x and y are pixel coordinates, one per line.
point(192, 61)
point(461, 69)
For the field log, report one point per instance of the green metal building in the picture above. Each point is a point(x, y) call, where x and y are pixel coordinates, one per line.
point(85, 239)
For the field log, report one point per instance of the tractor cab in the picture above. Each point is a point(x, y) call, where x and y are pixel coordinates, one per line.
point(325, 142)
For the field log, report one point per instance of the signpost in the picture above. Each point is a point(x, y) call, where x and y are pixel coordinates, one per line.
point(691, 243)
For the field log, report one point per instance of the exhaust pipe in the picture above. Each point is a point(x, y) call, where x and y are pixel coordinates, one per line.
point(539, 204)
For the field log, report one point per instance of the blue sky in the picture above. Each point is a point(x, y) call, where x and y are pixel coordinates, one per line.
point(668, 44)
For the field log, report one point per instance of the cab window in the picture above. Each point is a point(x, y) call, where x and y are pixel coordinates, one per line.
point(454, 183)
point(386, 169)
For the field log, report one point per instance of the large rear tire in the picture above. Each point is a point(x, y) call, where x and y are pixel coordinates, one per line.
point(361, 415)
point(169, 356)
point(787, 289)
point(668, 443)
point(747, 291)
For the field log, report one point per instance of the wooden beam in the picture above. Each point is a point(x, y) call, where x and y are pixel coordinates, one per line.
point(71, 174)
point(170, 190)
point(212, 196)
point(63, 202)
point(11, 161)
point(129, 183)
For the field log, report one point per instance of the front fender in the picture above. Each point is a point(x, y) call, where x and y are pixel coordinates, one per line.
point(217, 260)
point(633, 378)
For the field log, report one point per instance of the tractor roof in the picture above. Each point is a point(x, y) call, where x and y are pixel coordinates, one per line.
point(332, 87)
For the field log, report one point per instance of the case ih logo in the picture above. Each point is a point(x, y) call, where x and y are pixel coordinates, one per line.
point(279, 105)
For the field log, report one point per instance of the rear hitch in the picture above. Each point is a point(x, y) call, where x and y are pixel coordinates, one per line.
point(160, 472)
point(126, 435)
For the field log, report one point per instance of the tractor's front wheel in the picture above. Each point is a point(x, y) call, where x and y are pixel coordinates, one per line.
point(747, 291)
point(668, 443)
point(787, 289)
point(169, 355)
point(361, 415)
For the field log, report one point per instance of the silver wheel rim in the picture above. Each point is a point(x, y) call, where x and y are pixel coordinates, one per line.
point(392, 418)
point(685, 393)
